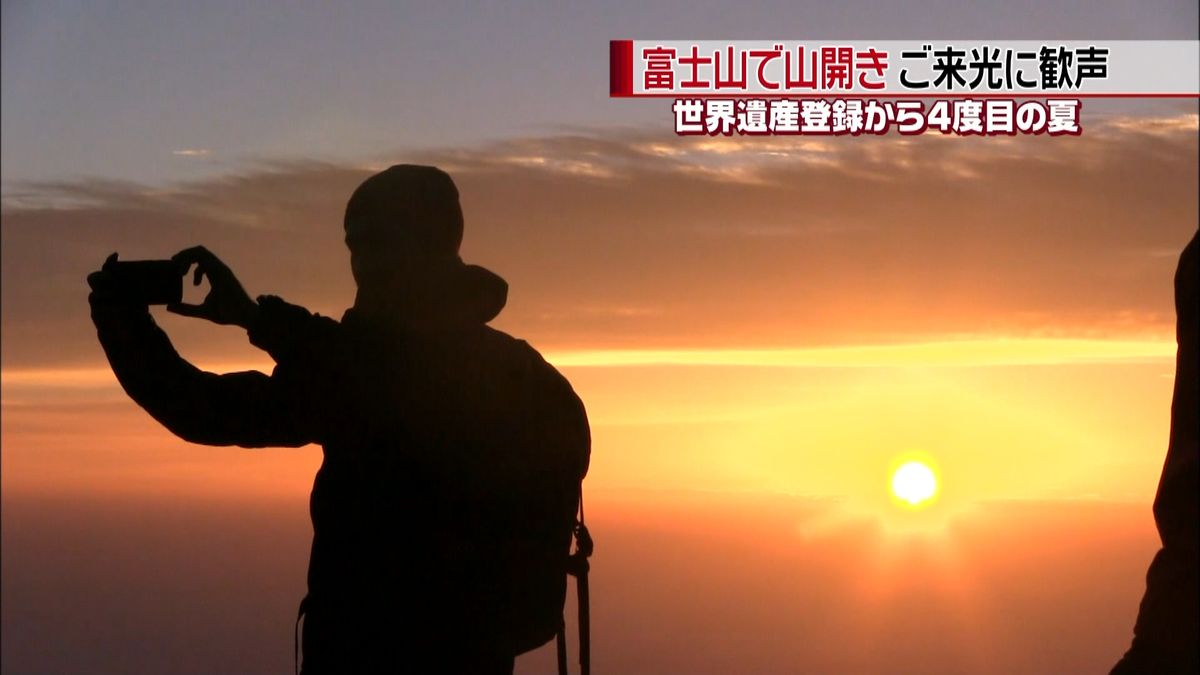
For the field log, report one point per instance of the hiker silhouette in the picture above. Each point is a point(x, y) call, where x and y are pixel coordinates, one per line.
point(1166, 637)
point(445, 504)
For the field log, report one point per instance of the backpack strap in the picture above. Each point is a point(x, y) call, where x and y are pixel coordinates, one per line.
point(577, 566)
point(561, 647)
point(296, 653)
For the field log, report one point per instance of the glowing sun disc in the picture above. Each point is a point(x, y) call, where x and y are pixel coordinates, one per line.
point(914, 483)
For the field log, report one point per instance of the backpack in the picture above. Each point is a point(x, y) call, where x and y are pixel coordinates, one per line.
point(540, 596)
point(538, 616)
point(515, 548)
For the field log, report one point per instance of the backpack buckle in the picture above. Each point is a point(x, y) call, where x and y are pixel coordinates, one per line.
point(577, 562)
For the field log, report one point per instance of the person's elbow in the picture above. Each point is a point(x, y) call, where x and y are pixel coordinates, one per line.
point(223, 433)
point(200, 432)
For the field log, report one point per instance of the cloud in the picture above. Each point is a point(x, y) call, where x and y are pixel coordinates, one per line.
point(714, 242)
point(1166, 126)
point(953, 354)
point(192, 152)
point(27, 388)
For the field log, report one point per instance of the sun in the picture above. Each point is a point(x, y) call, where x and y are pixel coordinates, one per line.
point(914, 484)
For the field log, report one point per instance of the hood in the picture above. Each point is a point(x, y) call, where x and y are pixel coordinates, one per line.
point(453, 296)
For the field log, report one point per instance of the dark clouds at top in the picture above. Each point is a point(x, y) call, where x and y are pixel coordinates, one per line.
point(622, 238)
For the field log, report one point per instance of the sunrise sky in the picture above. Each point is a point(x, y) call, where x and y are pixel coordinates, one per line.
point(759, 328)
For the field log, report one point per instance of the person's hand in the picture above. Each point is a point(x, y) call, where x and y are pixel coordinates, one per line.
point(227, 302)
point(104, 287)
point(108, 298)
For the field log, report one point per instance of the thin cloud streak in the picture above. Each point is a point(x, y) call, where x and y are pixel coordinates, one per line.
point(951, 354)
point(948, 354)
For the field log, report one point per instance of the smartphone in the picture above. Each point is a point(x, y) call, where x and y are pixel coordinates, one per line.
point(150, 282)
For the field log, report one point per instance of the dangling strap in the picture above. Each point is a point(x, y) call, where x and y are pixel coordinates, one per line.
point(585, 642)
point(296, 633)
point(562, 648)
point(577, 566)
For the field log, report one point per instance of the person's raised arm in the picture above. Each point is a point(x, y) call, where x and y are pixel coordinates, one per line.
point(249, 409)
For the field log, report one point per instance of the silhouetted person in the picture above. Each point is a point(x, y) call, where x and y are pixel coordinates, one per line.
point(1166, 637)
point(452, 452)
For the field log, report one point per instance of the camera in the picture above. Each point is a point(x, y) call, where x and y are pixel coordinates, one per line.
point(149, 282)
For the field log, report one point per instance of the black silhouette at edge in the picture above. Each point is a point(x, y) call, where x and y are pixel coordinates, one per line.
point(445, 505)
point(1167, 632)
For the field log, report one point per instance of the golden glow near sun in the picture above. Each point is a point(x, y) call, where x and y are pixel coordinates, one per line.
point(914, 484)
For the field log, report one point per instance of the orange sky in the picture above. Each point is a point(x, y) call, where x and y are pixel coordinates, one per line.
point(778, 315)
point(762, 320)
point(615, 239)
point(1016, 419)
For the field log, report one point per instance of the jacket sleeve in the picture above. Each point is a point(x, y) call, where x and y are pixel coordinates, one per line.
point(248, 409)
